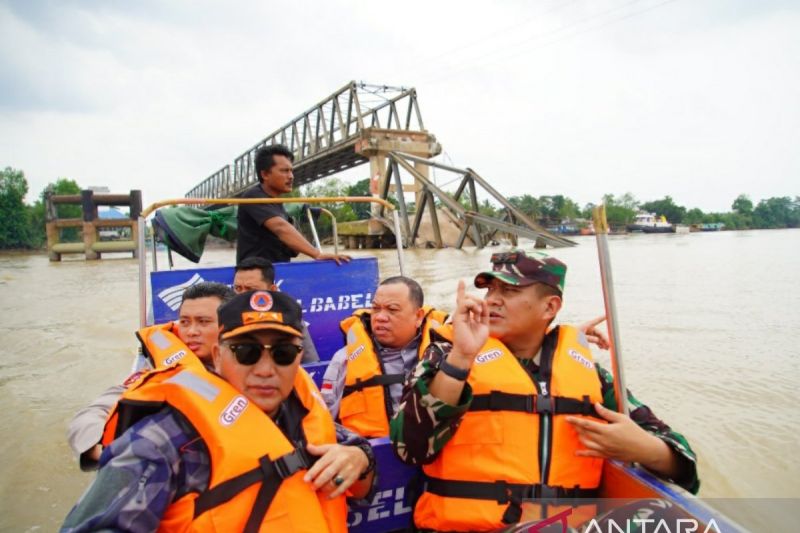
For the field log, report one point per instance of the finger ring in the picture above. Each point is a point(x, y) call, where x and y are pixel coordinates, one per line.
point(338, 480)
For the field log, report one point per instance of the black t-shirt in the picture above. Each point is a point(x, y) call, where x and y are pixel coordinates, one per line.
point(253, 239)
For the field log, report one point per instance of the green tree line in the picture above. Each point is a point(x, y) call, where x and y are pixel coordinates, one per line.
point(22, 226)
point(776, 212)
point(344, 212)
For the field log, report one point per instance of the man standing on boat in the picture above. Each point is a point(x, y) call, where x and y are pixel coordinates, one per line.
point(266, 230)
point(249, 448)
point(364, 380)
point(258, 274)
point(500, 409)
point(196, 331)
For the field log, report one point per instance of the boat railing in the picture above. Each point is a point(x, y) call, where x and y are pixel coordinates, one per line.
point(151, 209)
point(313, 226)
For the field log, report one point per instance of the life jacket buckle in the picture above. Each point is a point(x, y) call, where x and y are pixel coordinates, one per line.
point(545, 404)
point(548, 492)
point(513, 512)
point(503, 491)
point(288, 464)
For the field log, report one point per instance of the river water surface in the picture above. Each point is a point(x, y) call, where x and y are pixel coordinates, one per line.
point(708, 324)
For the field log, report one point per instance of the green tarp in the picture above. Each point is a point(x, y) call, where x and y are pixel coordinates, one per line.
point(184, 229)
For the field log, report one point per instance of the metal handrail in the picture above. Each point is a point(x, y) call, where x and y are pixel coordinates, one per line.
point(291, 200)
point(335, 229)
point(314, 229)
point(141, 223)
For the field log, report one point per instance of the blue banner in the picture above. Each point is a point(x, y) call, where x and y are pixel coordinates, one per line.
point(327, 292)
point(391, 509)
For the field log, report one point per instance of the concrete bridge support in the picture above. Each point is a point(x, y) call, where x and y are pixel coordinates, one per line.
point(376, 144)
point(92, 246)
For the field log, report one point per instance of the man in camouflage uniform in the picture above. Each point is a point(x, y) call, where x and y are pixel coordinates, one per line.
point(524, 295)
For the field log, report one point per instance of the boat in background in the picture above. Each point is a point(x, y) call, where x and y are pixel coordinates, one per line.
point(588, 229)
point(565, 228)
point(712, 226)
point(649, 223)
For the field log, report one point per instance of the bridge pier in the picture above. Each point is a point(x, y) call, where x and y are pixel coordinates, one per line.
point(376, 144)
point(377, 172)
point(91, 245)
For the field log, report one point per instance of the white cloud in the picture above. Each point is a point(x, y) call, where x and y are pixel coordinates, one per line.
point(695, 101)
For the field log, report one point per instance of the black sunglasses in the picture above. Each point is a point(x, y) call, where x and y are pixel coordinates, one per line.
point(248, 353)
point(505, 258)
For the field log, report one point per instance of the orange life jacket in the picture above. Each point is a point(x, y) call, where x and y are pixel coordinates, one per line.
point(513, 443)
point(161, 344)
point(256, 473)
point(366, 405)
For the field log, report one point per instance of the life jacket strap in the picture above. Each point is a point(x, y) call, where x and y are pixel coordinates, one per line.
point(374, 381)
point(532, 403)
point(513, 494)
point(266, 493)
point(503, 492)
point(270, 473)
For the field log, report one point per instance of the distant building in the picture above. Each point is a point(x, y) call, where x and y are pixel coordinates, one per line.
point(111, 233)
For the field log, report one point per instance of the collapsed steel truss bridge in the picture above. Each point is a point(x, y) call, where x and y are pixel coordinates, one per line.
point(382, 126)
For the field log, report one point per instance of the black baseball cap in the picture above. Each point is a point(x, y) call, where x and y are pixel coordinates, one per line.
point(260, 310)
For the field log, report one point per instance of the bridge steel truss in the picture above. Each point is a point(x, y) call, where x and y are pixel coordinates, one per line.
point(482, 229)
point(331, 137)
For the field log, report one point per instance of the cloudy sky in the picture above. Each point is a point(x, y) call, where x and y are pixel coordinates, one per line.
point(697, 99)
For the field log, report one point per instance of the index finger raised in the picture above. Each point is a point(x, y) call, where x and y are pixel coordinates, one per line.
point(460, 292)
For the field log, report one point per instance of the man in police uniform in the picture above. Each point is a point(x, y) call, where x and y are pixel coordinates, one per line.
point(251, 447)
point(508, 408)
point(364, 380)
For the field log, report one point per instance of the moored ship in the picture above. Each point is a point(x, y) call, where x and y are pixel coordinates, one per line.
point(649, 223)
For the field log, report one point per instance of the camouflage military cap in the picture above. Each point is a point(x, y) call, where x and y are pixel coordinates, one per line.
point(524, 268)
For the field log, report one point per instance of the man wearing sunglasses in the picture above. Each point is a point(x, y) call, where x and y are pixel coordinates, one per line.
point(506, 408)
point(249, 447)
point(258, 274)
point(195, 331)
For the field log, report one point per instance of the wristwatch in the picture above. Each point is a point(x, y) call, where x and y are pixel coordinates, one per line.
point(453, 371)
point(367, 449)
